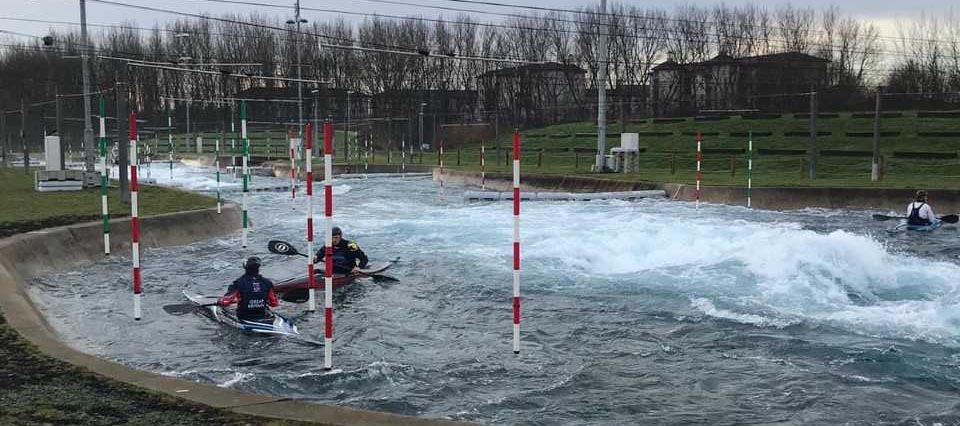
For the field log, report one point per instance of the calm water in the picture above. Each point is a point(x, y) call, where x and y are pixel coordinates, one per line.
point(634, 312)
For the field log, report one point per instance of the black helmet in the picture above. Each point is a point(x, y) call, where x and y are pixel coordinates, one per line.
point(336, 231)
point(252, 263)
point(921, 195)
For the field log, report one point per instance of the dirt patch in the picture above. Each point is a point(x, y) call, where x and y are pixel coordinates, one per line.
point(38, 390)
point(11, 228)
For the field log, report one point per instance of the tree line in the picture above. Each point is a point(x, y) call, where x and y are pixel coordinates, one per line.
point(450, 54)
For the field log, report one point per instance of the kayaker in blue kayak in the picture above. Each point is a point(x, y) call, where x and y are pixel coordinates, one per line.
point(347, 256)
point(919, 213)
point(252, 293)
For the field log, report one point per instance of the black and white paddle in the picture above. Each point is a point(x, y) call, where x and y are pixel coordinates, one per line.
point(286, 249)
point(951, 218)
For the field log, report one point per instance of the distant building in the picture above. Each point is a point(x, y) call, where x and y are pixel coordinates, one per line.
point(727, 83)
point(535, 94)
point(279, 104)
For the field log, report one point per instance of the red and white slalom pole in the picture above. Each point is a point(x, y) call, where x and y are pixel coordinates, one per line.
point(104, 177)
point(516, 242)
point(483, 167)
point(328, 245)
point(134, 217)
point(699, 174)
point(311, 284)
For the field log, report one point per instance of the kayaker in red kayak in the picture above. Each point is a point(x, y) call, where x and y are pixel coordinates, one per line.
point(252, 292)
point(347, 256)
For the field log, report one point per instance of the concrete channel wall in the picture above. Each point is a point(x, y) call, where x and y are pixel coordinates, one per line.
point(26, 256)
point(768, 198)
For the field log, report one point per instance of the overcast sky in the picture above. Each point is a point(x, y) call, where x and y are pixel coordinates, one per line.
point(883, 12)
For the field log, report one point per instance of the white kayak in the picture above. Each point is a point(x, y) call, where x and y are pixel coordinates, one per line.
point(277, 325)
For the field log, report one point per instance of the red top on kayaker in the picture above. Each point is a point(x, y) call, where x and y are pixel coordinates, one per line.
point(251, 292)
point(347, 256)
point(919, 213)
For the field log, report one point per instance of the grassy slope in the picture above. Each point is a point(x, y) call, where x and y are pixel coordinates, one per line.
point(779, 170)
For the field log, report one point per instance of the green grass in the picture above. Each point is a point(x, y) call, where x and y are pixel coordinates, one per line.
point(672, 158)
point(23, 205)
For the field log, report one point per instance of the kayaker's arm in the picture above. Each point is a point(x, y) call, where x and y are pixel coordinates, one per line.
point(272, 299)
point(363, 258)
point(230, 298)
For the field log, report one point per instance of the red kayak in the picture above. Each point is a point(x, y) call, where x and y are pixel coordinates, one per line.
point(295, 289)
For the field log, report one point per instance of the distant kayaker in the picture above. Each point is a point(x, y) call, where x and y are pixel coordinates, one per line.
point(252, 292)
point(919, 213)
point(347, 256)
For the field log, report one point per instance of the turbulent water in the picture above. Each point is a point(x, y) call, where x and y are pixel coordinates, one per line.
point(647, 312)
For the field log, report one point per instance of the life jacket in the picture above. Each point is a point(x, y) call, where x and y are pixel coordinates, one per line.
point(253, 296)
point(914, 218)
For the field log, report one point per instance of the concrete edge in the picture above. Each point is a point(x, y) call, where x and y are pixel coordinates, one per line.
point(767, 198)
point(25, 256)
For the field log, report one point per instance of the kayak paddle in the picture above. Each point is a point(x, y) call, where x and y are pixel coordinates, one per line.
point(945, 219)
point(284, 248)
point(185, 308)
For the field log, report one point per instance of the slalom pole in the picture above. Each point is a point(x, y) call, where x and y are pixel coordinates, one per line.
point(516, 242)
point(750, 170)
point(104, 176)
point(246, 183)
point(134, 217)
point(699, 174)
point(217, 162)
point(441, 165)
point(293, 166)
point(366, 154)
point(328, 245)
point(170, 144)
point(233, 146)
point(483, 167)
point(403, 155)
point(311, 284)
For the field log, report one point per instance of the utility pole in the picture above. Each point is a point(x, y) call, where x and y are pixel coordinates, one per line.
point(63, 154)
point(23, 137)
point(3, 138)
point(422, 104)
point(346, 137)
point(123, 159)
point(875, 169)
point(89, 154)
point(813, 134)
point(601, 89)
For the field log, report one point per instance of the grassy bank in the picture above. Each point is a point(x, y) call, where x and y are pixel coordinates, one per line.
point(23, 209)
point(36, 390)
point(779, 156)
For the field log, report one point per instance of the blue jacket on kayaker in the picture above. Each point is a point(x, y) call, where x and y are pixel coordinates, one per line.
point(919, 213)
point(252, 293)
point(347, 256)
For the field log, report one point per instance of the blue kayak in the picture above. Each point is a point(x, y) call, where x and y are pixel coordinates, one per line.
point(904, 226)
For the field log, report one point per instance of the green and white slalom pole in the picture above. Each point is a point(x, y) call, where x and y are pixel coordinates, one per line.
point(170, 144)
point(750, 170)
point(233, 146)
point(104, 176)
point(246, 183)
point(217, 162)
